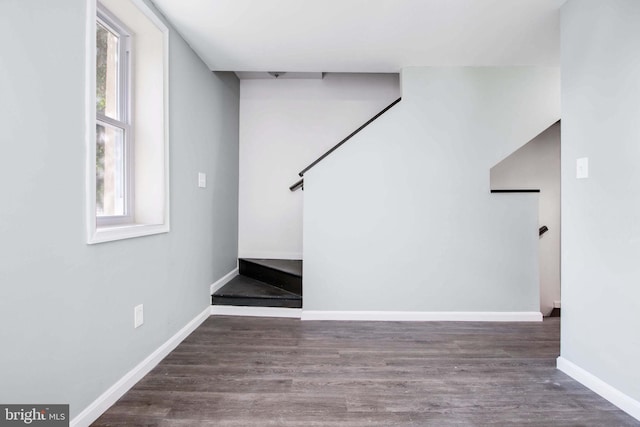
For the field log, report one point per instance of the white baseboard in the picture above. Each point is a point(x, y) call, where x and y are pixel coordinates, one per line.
point(223, 281)
point(424, 316)
point(270, 255)
point(116, 391)
point(612, 394)
point(229, 310)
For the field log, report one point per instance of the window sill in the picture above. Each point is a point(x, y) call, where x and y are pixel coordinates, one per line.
point(129, 231)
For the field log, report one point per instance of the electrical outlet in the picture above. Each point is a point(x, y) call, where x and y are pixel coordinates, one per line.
point(202, 180)
point(138, 316)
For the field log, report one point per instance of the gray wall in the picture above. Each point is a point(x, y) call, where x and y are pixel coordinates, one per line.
point(537, 165)
point(401, 218)
point(601, 214)
point(285, 124)
point(66, 308)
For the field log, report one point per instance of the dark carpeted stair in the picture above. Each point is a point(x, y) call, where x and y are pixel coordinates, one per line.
point(263, 283)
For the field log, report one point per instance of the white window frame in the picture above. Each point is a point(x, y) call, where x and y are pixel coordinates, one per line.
point(113, 24)
point(152, 220)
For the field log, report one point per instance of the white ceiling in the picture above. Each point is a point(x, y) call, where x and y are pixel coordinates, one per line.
point(366, 35)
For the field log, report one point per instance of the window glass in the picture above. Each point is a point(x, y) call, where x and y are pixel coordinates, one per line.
point(110, 171)
point(107, 72)
point(112, 128)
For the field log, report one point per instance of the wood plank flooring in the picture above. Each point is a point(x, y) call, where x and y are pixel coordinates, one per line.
point(243, 371)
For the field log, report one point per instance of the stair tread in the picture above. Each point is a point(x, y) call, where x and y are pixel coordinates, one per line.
point(246, 287)
point(290, 266)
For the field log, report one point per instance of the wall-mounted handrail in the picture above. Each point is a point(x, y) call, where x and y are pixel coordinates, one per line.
point(335, 147)
point(516, 190)
point(297, 185)
point(542, 230)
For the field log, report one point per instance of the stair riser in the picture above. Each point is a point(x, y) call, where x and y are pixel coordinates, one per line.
point(282, 280)
point(257, 302)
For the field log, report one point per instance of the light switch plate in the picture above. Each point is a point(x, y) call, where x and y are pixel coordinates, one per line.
point(202, 180)
point(582, 168)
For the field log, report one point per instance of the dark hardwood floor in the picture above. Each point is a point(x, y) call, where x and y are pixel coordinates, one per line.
point(243, 371)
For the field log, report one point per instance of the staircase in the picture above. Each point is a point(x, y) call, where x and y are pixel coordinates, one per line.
point(263, 283)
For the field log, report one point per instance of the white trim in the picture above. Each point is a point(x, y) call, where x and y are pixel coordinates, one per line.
point(270, 255)
point(612, 394)
point(223, 280)
point(119, 232)
point(90, 118)
point(165, 33)
point(425, 316)
point(230, 310)
point(557, 304)
point(116, 391)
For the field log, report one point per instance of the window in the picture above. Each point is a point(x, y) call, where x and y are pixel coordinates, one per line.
point(114, 141)
point(127, 121)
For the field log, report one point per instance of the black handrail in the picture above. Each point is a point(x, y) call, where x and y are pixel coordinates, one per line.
point(335, 147)
point(516, 190)
point(542, 230)
point(299, 184)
